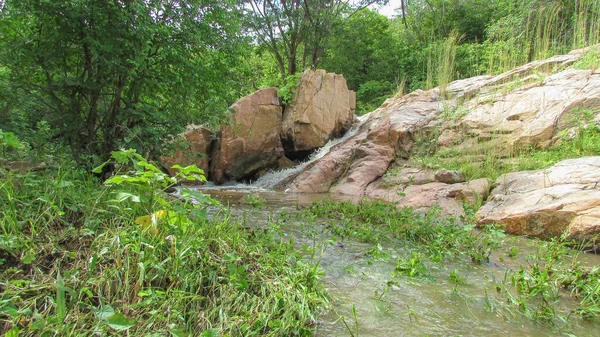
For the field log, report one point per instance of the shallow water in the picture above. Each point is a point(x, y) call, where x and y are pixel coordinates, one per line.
point(389, 305)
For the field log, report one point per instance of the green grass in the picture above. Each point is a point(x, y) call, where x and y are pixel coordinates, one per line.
point(75, 262)
point(590, 60)
point(440, 236)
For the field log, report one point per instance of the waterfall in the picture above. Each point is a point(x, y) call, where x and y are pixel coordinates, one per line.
point(273, 178)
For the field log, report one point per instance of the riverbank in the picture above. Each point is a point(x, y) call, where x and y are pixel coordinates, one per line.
point(76, 260)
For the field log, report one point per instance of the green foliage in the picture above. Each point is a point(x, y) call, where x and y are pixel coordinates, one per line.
point(254, 200)
point(364, 49)
point(535, 289)
point(104, 75)
point(438, 236)
point(8, 143)
point(372, 94)
point(411, 267)
point(287, 91)
point(76, 260)
point(591, 60)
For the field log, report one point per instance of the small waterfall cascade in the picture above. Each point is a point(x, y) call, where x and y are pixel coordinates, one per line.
point(273, 178)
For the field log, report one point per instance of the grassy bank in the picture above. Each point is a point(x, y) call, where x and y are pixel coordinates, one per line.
point(79, 259)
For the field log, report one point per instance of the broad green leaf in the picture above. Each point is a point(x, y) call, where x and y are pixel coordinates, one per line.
point(122, 196)
point(188, 169)
point(149, 167)
point(14, 332)
point(178, 332)
point(116, 180)
point(99, 168)
point(210, 333)
point(120, 322)
point(9, 309)
point(124, 156)
point(104, 312)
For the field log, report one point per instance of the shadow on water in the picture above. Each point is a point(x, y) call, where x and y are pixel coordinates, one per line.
point(361, 281)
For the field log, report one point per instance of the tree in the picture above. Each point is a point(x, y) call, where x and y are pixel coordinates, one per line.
point(104, 72)
point(296, 31)
point(369, 54)
point(429, 20)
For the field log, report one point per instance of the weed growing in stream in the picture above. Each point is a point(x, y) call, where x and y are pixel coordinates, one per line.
point(438, 235)
point(550, 286)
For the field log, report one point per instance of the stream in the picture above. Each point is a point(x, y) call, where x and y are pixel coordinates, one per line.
point(366, 293)
point(390, 305)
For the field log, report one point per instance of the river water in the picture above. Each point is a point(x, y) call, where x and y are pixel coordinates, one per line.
point(364, 286)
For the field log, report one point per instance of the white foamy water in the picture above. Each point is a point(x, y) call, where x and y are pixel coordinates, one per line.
point(273, 178)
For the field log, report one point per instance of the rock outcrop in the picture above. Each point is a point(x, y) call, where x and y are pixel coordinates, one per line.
point(525, 107)
point(322, 109)
point(196, 153)
point(532, 106)
point(251, 141)
point(418, 188)
point(352, 165)
point(564, 198)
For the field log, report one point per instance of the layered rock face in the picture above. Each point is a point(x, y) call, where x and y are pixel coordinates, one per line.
point(197, 153)
point(527, 106)
point(564, 198)
point(252, 141)
point(322, 109)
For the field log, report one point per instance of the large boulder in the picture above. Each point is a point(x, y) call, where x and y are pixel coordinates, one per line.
point(322, 109)
point(564, 198)
point(197, 152)
point(251, 141)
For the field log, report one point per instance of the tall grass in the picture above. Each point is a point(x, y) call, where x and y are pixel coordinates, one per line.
point(586, 28)
point(538, 30)
point(441, 62)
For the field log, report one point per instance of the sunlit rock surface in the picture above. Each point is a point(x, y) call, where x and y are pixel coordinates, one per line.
point(251, 141)
point(564, 198)
point(322, 109)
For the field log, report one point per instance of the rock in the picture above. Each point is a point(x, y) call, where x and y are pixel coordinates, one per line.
point(322, 109)
point(416, 188)
point(475, 191)
point(524, 107)
point(197, 153)
point(284, 163)
point(320, 175)
point(408, 176)
point(383, 135)
point(252, 140)
point(449, 176)
point(564, 198)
